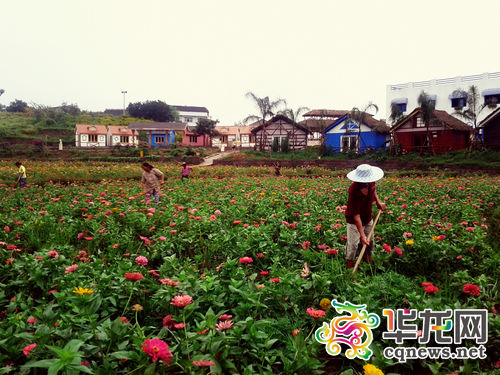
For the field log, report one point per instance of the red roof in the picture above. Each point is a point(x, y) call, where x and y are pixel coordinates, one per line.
point(91, 129)
point(120, 130)
point(332, 113)
point(229, 130)
point(442, 116)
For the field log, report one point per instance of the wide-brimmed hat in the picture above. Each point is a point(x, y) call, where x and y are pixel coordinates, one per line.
point(365, 173)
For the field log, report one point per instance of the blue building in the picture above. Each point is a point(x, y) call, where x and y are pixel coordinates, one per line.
point(159, 134)
point(342, 135)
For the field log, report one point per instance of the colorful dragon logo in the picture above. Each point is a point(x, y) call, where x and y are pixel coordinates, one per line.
point(353, 330)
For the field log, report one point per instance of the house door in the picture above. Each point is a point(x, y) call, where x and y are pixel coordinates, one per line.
point(418, 142)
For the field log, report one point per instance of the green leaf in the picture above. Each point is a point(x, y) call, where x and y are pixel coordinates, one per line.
point(44, 363)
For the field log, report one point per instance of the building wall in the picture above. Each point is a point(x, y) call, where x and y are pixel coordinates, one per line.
point(82, 140)
point(370, 139)
point(186, 141)
point(191, 118)
point(114, 140)
point(442, 139)
point(297, 138)
point(442, 88)
point(492, 134)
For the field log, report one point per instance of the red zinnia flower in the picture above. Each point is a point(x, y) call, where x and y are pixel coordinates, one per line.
point(275, 279)
point(27, 349)
point(158, 349)
point(71, 268)
point(169, 322)
point(431, 289)
point(225, 317)
point(246, 260)
point(471, 289)
point(133, 276)
point(387, 248)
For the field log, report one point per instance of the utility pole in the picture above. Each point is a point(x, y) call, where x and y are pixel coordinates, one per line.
point(124, 92)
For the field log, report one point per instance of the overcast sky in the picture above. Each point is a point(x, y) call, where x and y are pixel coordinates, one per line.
point(320, 54)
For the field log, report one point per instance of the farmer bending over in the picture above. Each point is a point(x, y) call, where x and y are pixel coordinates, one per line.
point(358, 214)
point(151, 180)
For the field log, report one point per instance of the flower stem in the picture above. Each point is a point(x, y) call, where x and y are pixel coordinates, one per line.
point(129, 298)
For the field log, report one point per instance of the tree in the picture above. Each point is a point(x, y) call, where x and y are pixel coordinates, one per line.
point(266, 108)
point(293, 115)
point(205, 126)
point(474, 108)
point(285, 145)
point(396, 113)
point(152, 110)
point(358, 117)
point(70, 109)
point(17, 106)
point(427, 116)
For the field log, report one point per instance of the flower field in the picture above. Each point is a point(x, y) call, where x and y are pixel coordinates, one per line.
point(229, 274)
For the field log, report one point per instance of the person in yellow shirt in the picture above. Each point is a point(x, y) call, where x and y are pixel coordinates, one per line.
point(22, 178)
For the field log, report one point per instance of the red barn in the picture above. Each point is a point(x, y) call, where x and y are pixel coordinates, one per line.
point(446, 133)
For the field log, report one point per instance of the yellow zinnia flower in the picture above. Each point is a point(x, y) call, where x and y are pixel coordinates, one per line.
point(372, 370)
point(410, 242)
point(325, 304)
point(81, 291)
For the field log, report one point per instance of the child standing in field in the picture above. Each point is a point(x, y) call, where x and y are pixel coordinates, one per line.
point(152, 178)
point(185, 171)
point(21, 175)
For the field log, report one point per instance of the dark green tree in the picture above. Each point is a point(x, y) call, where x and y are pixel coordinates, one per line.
point(396, 113)
point(427, 116)
point(285, 145)
point(205, 126)
point(275, 146)
point(152, 110)
point(293, 115)
point(17, 106)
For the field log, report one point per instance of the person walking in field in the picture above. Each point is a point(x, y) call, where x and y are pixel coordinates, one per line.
point(152, 178)
point(185, 171)
point(362, 195)
point(21, 175)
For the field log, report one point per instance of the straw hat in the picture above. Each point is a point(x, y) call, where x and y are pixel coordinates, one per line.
point(365, 173)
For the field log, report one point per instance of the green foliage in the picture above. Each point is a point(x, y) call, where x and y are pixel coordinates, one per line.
point(152, 110)
point(17, 106)
point(275, 147)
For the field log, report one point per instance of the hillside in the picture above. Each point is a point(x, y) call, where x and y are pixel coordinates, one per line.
point(23, 130)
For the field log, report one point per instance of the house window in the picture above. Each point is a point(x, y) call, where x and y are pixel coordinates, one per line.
point(193, 139)
point(419, 123)
point(492, 99)
point(223, 139)
point(123, 138)
point(458, 102)
point(159, 139)
point(93, 138)
point(348, 142)
point(402, 107)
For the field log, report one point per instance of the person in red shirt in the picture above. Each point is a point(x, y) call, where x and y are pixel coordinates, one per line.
point(358, 215)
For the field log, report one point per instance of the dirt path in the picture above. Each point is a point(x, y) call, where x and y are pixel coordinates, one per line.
point(209, 160)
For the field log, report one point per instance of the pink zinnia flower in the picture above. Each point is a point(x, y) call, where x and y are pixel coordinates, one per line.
point(32, 320)
point(71, 268)
point(182, 300)
point(224, 325)
point(470, 229)
point(236, 222)
point(133, 276)
point(179, 325)
point(260, 255)
point(225, 317)
point(169, 282)
point(398, 251)
point(213, 217)
point(322, 247)
point(305, 245)
point(407, 234)
point(27, 349)
point(264, 273)
point(315, 313)
point(246, 260)
point(305, 271)
point(158, 349)
point(471, 289)
point(142, 260)
point(275, 279)
point(203, 363)
point(53, 254)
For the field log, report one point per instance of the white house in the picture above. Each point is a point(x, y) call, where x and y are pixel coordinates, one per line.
point(122, 136)
point(190, 114)
point(90, 135)
point(441, 90)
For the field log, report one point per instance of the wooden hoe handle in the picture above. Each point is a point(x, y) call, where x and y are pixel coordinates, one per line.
point(355, 269)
